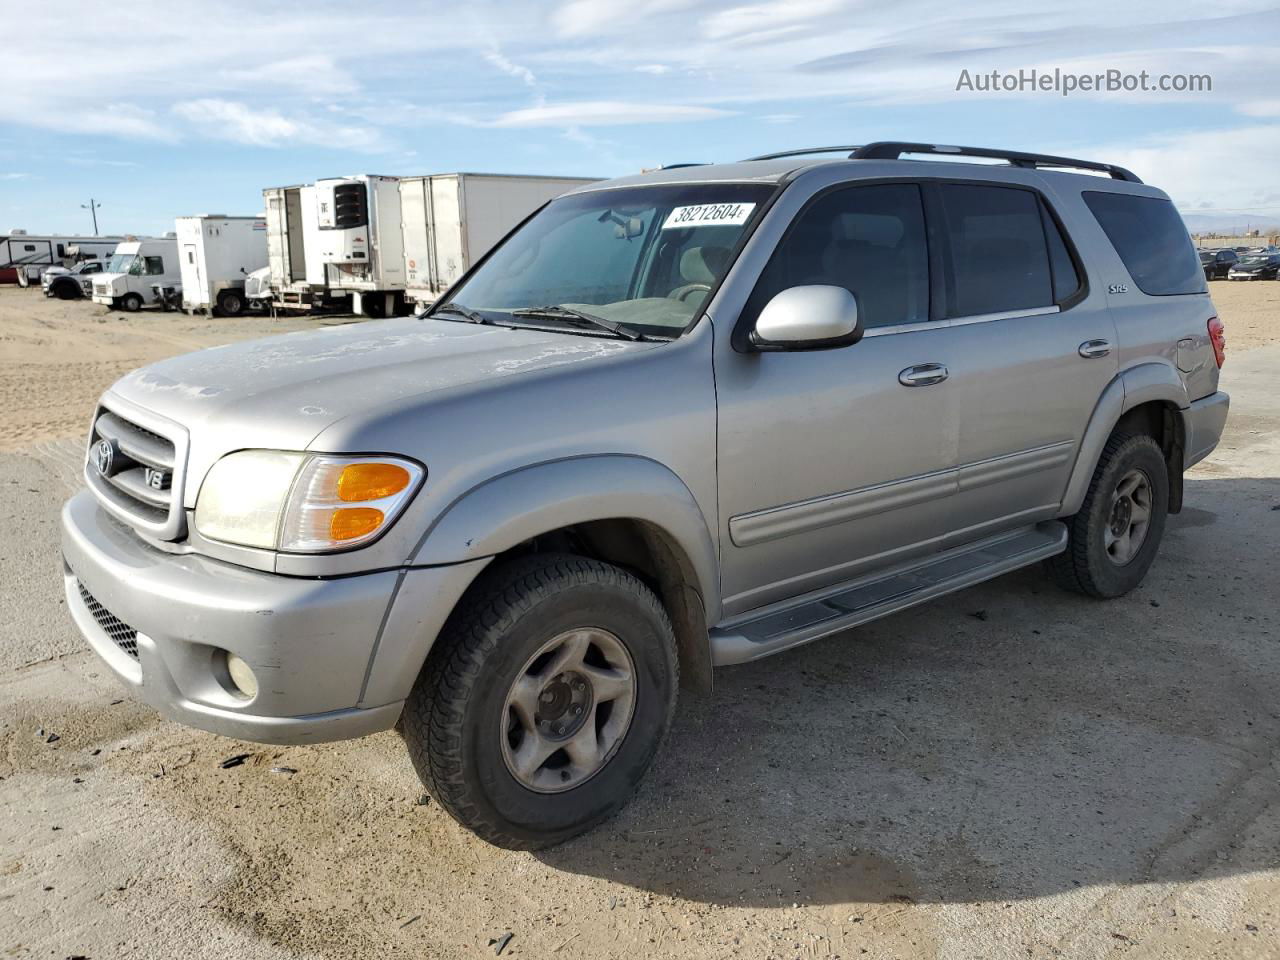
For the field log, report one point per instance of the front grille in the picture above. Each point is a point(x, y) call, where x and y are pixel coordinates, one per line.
point(133, 470)
point(121, 634)
point(101, 290)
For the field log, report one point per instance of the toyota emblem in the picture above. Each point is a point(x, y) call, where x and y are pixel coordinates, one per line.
point(104, 455)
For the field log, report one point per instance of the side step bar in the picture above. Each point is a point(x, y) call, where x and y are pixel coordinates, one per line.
point(852, 604)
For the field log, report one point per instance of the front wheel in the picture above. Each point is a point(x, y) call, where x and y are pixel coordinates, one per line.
point(132, 302)
point(1114, 538)
point(544, 699)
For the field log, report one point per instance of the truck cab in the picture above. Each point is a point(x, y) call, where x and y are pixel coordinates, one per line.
point(134, 270)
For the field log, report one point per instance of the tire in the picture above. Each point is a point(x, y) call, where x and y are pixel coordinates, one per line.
point(231, 303)
point(1094, 563)
point(67, 291)
point(374, 307)
point(462, 721)
point(132, 302)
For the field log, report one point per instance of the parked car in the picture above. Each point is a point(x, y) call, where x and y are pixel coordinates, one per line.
point(1216, 263)
point(69, 283)
point(1258, 267)
point(674, 421)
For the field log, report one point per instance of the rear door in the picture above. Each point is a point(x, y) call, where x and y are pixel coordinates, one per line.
point(1035, 349)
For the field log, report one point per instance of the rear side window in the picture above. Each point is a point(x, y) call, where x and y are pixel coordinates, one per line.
point(1000, 258)
point(1152, 241)
point(869, 240)
point(155, 266)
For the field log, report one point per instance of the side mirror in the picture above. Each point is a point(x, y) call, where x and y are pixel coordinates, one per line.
point(812, 317)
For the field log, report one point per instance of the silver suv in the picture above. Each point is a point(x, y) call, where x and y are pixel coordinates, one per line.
point(672, 422)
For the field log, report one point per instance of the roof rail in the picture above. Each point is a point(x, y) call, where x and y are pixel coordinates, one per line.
point(892, 150)
point(802, 152)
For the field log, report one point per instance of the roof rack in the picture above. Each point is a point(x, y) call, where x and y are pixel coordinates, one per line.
point(893, 149)
point(802, 152)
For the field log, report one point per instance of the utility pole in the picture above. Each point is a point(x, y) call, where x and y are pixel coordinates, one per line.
point(92, 207)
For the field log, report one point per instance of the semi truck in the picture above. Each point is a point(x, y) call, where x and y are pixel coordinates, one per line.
point(216, 254)
point(449, 221)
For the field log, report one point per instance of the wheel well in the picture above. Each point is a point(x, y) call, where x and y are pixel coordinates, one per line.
point(654, 557)
point(1161, 420)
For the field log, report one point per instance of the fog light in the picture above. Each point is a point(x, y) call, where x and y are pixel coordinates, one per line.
point(243, 682)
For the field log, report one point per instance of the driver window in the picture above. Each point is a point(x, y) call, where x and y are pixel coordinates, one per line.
point(869, 240)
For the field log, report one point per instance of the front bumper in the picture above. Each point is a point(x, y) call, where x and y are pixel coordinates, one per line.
point(334, 658)
point(1203, 423)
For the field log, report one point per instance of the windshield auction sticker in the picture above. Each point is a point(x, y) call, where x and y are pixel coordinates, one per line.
point(708, 215)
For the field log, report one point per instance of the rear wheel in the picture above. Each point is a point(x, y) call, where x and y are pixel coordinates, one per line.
point(231, 303)
point(1115, 536)
point(544, 699)
point(131, 302)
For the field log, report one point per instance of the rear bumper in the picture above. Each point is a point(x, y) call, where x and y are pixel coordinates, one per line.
point(334, 658)
point(1203, 423)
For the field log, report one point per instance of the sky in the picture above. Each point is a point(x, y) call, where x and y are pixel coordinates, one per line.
point(157, 110)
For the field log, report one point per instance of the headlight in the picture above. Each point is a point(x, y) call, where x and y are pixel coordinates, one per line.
point(301, 502)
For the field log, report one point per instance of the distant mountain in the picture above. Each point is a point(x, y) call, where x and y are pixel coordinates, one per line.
point(1230, 224)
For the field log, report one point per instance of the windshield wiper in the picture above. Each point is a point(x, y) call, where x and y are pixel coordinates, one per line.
point(568, 313)
point(458, 310)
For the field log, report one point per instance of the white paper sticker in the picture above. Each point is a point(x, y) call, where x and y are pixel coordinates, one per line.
point(708, 215)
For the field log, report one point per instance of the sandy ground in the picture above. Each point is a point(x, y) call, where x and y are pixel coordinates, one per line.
point(1010, 772)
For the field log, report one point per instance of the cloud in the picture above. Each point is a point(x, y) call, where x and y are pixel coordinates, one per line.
point(605, 113)
point(521, 73)
point(1260, 108)
point(14, 176)
point(230, 120)
point(1188, 166)
point(768, 19)
point(657, 69)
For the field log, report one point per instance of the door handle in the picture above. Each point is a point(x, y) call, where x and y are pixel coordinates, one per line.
point(923, 375)
point(1092, 349)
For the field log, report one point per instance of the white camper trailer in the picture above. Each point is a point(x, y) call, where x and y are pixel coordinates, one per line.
point(134, 271)
point(359, 228)
point(216, 254)
point(293, 248)
point(451, 220)
point(24, 256)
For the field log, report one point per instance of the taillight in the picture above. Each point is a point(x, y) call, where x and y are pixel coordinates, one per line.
point(1218, 337)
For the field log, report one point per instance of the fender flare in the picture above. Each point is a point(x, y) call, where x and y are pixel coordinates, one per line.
point(1144, 383)
point(525, 503)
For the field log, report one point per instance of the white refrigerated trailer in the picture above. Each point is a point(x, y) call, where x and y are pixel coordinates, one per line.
point(360, 243)
point(449, 221)
point(216, 254)
point(297, 271)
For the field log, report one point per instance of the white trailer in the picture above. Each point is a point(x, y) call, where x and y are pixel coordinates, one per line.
point(24, 256)
point(216, 254)
point(360, 241)
point(449, 221)
point(298, 280)
point(136, 269)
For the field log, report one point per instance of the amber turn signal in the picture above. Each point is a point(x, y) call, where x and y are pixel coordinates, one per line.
point(371, 481)
point(350, 523)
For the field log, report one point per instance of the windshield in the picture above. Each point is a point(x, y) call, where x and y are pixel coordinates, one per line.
point(644, 258)
point(120, 262)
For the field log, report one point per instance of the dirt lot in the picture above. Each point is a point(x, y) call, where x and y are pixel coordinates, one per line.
point(1009, 772)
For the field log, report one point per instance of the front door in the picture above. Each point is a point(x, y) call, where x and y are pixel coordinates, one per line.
point(836, 462)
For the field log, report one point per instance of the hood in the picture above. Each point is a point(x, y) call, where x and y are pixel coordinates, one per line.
point(54, 271)
point(283, 391)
